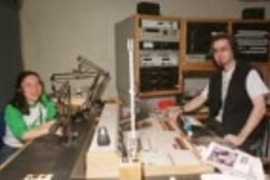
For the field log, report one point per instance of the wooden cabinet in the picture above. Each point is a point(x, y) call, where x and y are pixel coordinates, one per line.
point(196, 36)
point(251, 36)
point(156, 55)
point(251, 40)
point(166, 48)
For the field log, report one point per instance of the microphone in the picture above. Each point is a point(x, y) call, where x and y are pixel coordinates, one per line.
point(103, 138)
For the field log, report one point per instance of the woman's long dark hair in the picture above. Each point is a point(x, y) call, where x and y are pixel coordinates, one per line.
point(19, 101)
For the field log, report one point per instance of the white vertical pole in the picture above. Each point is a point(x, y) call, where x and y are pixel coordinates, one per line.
point(130, 48)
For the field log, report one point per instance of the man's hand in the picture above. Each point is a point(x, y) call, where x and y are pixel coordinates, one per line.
point(38, 132)
point(236, 141)
point(172, 113)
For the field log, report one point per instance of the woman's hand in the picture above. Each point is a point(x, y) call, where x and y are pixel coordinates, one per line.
point(46, 127)
point(59, 132)
point(42, 130)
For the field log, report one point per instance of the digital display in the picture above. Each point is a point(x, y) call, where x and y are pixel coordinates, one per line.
point(147, 59)
point(151, 30)
point(148, 45)
point(199, 36)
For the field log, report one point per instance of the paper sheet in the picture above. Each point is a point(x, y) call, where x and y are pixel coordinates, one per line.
point(183, 157)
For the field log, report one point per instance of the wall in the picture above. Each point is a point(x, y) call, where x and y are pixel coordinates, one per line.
point(55, 32)
point(10, 54)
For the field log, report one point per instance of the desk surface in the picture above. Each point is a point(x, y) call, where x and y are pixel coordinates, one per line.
point(47, 156)
point(163, 151)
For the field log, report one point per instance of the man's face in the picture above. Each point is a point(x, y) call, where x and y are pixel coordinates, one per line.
point(222, 51)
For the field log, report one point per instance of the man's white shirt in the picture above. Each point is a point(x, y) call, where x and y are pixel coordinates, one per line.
point(254, 86)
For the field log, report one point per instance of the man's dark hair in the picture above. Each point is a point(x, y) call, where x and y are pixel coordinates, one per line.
point(223, 36)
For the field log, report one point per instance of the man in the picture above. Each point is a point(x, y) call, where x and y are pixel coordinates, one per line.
point(235, 95)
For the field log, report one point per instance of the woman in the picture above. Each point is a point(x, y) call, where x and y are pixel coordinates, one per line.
point(29, 115)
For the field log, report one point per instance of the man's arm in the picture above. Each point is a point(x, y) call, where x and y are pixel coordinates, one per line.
point(194, 104)
point(257, 90)
point(190, 106)
point(255, 117)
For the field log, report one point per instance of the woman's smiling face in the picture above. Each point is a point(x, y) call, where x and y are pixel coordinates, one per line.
point(31, 88)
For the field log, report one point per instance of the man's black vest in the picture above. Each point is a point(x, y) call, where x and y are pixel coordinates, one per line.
point(238, 105)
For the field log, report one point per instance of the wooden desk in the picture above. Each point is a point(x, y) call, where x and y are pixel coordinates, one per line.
point(17, 153)
point(106, 161)
point(47, 156)
point(265, 159)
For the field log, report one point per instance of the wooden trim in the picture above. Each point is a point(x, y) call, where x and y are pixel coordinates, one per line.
point(185, 142)
point(130, 171)
point(188, 64)
point(183, 47)
point(180, 55)
point(159, 93)
point(208, 20)
point(176, 170)
point(198, 66)
point(137, 62)
point(250, 20)
point(169, 18)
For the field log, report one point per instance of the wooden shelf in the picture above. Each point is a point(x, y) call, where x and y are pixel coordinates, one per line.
point(249, 20)
point(169, 18)
point(261, 65)
point(159, 93)
point(186, 64)
point(209, 66)
point(197, 66)
point(193, 65)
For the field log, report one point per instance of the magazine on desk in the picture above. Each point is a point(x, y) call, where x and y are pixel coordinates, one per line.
point(234, 162)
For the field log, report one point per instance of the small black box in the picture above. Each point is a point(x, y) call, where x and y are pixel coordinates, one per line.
point(148, 8)
point(253, 13)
